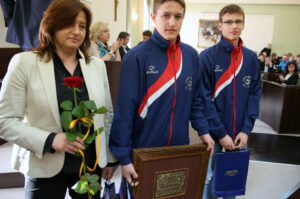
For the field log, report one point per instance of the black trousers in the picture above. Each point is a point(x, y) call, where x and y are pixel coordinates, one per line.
point(56, 187)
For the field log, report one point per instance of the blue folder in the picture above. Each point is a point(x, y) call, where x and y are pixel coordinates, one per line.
point(230, 173)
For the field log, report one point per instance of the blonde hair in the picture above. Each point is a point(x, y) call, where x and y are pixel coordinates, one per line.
point(97, 29)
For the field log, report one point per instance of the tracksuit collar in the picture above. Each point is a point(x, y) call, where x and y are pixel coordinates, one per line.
point(161, 42)
point(228, 46)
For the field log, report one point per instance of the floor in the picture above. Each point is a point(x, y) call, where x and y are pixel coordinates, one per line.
point(274, 168)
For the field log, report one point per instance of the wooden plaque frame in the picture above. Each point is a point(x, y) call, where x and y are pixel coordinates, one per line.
point(150, 162)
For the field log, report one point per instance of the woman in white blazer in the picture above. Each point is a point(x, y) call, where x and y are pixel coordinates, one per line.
point(29, 103)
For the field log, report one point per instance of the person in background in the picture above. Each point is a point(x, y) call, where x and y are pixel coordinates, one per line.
point(290, 77)
point(100, 35)
point(146, 35)
point(230, 82)
point(159, 91)
point(267, 50)
point(298, 62)
point(261, 60)
point(269, 66)
point(291, 58)
point(23, 20)
point(31, 120)
point(274, 59)
point(284, 62)
point(124, 37)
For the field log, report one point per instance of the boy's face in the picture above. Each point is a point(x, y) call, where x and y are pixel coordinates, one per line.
point(168, 20)
point(232, 26)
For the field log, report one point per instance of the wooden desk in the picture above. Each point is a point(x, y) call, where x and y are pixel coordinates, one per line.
point(113, 69)
point(5, 55)
point(271, 76)
point(280, 107)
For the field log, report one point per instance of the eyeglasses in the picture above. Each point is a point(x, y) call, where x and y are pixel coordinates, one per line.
point(238, 22)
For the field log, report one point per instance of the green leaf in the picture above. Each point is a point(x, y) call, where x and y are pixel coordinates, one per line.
point(66, 105)
point(86, 176)
point(78, 111)
point(90, 104)
point(92, 137)
point(71, 136)
point(101, 110)
point(81, 187)
point(93, 178)
point(95, 187)
point(65, 119)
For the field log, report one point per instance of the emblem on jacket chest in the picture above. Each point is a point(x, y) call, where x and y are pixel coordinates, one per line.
point(247, 81)
point(188, 83)
point(218, 68)
point(151, 70)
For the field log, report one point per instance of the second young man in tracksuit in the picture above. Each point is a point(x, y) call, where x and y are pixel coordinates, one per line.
point(231, 85)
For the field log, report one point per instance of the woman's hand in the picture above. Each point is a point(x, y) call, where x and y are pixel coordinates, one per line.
point(61, 143)
point(281, 78)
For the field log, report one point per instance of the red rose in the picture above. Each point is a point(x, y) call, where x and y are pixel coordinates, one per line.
point(73, 82)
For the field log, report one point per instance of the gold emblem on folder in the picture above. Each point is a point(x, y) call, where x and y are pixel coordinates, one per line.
point(170, 183)
point(231, 172)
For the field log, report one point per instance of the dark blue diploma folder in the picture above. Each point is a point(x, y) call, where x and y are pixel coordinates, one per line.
point(230, 173)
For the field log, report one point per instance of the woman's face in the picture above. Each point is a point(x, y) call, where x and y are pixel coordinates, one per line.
point(104, 36)
point(291, 68)
point(71, 37)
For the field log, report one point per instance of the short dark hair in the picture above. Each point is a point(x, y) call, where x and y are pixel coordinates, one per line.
point(291, 63)
point(147, 33)
point(231, 9)
point(123, 35)
point(158, 3)
point(61, 14)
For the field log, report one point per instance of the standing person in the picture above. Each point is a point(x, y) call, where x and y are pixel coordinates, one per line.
point(231, 84)
point(31, 120)
point(23, 20)
point(158, 92)
point(124, 37)
point(267, 50)
point(100, 35)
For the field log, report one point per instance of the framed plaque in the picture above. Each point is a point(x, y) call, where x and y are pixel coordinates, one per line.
point(176, 172)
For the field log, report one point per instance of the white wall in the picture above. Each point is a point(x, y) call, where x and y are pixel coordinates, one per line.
point(103, 10)
point(246, 1)
point(257, 34)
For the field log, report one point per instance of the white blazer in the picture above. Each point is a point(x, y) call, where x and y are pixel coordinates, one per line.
point(29, 112)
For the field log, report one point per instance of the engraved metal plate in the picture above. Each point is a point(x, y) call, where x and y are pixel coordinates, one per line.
point(170, 183)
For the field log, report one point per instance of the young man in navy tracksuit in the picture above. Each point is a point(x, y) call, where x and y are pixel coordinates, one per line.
point(159, 91)
point(231, 85)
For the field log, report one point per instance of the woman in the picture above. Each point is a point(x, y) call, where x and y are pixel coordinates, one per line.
point(30, 96)
point(290, 77)
point(100, 35)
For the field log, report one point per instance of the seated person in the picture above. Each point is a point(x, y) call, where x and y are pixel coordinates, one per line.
point(274, 59)
point(284, 62)
point(100, 35)
point(290, 77)
point(261, 60)
point(269, 66)
point(298, 61)
point(146, 35)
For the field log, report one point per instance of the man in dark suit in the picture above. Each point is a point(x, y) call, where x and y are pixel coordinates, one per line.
point(23, 21)
point(124, 36)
